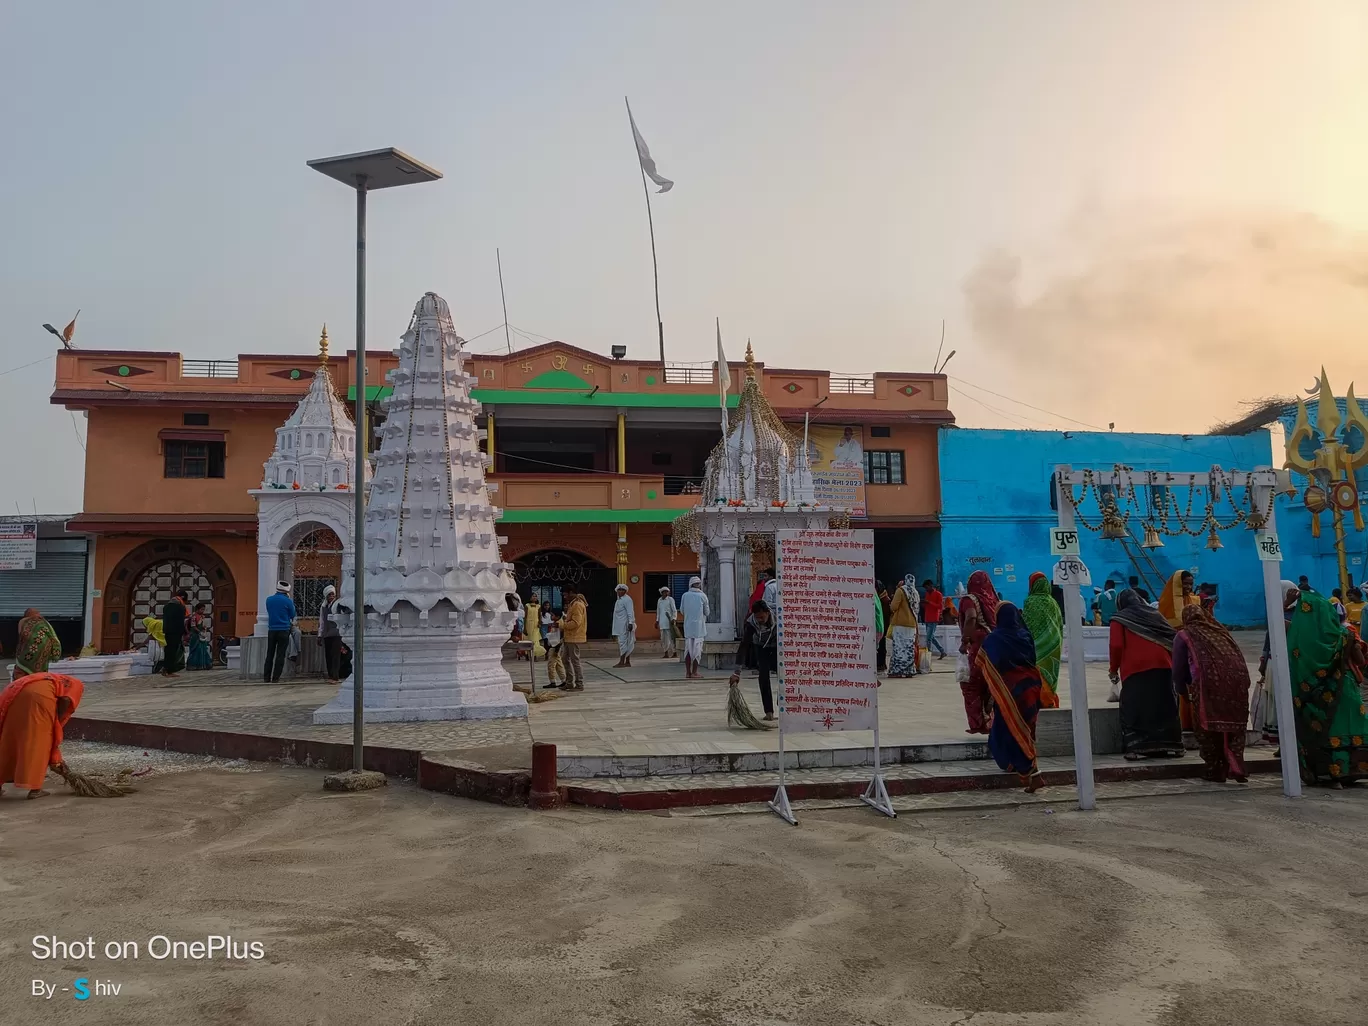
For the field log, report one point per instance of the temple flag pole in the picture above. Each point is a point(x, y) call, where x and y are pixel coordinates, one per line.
point(648, 167)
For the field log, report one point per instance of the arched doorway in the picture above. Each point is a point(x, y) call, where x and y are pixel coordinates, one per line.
point(146, 578)
point(546, 573)
point(310, 559)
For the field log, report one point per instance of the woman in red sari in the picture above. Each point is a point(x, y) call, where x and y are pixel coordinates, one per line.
point(33, 711)
point(1210, 670)
point(978, 616)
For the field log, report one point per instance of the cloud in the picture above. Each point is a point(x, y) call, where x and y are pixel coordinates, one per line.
point(1170, 321)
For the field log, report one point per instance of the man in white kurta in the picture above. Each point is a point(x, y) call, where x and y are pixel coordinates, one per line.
point(771, 596)
point(694, 606)
point(624, 626)
point(666, 614)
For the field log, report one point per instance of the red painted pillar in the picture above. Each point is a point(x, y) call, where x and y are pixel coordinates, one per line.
point(544, 793)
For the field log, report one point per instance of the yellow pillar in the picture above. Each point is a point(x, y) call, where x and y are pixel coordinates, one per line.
point(489, 441)
point(622, 443)
point(622, 552)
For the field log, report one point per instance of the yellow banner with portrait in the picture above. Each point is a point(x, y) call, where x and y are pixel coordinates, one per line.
point(837, 458)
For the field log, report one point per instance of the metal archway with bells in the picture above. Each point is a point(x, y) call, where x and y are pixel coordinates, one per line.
point(1116, 491)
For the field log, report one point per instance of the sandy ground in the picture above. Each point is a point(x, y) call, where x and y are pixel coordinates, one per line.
point(399, 906)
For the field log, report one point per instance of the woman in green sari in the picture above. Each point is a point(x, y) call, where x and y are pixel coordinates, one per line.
point(38, 645)
point(1046, 625)
point(1331, 720)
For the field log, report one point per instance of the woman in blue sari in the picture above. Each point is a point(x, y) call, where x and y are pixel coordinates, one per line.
point(197, 629)
point(1007, 660)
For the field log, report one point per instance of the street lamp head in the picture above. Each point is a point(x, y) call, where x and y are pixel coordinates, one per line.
point(379, 169)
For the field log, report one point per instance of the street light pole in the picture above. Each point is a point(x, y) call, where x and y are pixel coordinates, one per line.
point(365, 172)
point(359, 477)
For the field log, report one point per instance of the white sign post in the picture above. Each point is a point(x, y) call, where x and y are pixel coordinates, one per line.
point(827, 648)
point(19, 546)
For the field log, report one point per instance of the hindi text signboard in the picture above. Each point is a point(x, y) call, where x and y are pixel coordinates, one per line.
point(1064, 542)
point(826, 631)
point(18, 546)
point(1269, 549)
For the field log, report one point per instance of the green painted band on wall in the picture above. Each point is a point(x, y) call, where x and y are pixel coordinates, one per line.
point(664, 400)
point(589, 516)
point(373, 392)
point(608, 400)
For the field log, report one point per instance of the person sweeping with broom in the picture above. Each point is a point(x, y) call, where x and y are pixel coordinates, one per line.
point(760, 642)
point(32, 712)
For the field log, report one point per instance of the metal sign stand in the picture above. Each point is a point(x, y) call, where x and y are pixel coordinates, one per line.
point(876, 794)
point(779, 804)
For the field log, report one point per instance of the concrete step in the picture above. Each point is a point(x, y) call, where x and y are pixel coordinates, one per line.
point(642, 794)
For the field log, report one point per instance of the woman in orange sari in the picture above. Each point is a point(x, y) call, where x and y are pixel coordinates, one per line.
point(33, 711)
point(978, 616)
point(1178, 594)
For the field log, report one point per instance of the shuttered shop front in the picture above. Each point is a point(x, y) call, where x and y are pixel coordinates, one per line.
point(56, 586)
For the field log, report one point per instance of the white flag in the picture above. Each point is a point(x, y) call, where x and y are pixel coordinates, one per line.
point(648, 163)
point(723, 372)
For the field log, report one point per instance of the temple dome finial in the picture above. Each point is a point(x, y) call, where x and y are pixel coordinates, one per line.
point(323, 345)
point(750, 360)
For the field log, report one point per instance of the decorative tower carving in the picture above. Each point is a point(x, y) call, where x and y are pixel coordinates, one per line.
point(436, 616)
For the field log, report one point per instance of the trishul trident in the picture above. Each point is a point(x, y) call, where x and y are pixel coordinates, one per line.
point(1331, 467)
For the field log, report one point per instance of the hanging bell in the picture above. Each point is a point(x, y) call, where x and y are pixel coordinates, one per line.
point(1213, 541)
point(1113, 527)
point(1152, 539)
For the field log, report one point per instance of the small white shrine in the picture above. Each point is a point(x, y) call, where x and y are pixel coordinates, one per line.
point(436, 615)
point(308, 483)
point(758, 481)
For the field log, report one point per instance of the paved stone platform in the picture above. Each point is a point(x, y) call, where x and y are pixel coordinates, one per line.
point(640, 721)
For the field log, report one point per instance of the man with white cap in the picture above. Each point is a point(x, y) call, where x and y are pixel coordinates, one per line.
point(666, 614)
point(280, 618)
point(624, 626)
point(329, 635)
point(694, 606)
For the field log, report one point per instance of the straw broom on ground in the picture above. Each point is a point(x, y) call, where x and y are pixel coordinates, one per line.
point(87, 786)
point(738, 712)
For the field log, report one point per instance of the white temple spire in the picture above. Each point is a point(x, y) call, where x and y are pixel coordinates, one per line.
point(436, 617)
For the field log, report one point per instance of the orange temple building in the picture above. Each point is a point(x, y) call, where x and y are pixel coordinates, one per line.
point(594, 458)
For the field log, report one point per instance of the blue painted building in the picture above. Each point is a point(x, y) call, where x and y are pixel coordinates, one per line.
point(997, 508)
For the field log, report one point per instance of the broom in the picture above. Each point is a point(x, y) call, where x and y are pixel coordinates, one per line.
point(86, 786)
point(541, 696)
point(738, 712)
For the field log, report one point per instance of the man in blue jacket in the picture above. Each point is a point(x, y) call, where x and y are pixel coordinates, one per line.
point(280, 617)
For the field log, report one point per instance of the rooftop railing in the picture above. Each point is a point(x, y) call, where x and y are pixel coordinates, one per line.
point(689, 374)
point(209, 368)
point(852, 384)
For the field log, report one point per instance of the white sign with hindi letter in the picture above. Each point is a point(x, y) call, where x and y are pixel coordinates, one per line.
point(1269, 549)
point(1072, 571)
point(18, 546)
point(1064, 542)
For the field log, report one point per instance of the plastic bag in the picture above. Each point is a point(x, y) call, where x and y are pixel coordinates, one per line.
point(1115, 695)
point(925, 664)
point(962, 668)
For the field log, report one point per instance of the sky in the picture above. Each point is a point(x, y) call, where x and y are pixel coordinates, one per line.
point(1128, 213)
